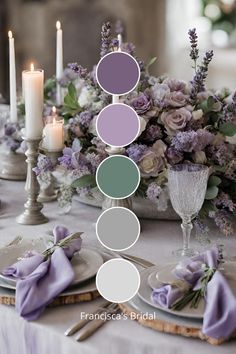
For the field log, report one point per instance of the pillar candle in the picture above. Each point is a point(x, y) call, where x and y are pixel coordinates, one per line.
point(53, 133)
point(59, 61)
point(12, 75)
point(33, 93)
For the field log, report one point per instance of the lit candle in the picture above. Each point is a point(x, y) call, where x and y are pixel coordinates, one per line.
point(53, 133)
point(12, 72)
point(33, 93)
point(59, 61)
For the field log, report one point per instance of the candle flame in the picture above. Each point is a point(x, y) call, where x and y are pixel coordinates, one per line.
point(9, 34)
point(32, 67)
point(58, 25)
point(54, 110)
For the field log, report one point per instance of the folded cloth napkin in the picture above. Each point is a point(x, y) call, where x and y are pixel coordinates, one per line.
point(41, 279)
point(220, 311)
point(167, 295)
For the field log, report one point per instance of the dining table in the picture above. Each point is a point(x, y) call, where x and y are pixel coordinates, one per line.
point(46, 335)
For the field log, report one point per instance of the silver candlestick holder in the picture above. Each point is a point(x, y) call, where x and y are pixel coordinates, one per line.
point(110, 202)
point(49, 193)
point(13, 166)
point(32, 214)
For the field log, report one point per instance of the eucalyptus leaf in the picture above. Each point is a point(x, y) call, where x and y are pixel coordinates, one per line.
point(211, 192)
point(206, 208)
point(214, 181)
point(228, 129)
point(72, 91)
point(85, 181)
point(151, 62)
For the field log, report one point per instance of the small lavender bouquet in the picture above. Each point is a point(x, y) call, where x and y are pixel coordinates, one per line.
point(180, 122)
point(12, 137)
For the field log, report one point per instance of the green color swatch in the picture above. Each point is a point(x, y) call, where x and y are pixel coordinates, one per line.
point(118, 177)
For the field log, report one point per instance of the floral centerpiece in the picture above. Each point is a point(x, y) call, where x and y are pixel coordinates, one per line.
point(180, 122)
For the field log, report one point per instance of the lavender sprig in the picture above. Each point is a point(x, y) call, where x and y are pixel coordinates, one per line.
point(194, 296)
point(62, 243)
point(106, 38)
point(194, 53)
point(198, 82)
point(78, 69)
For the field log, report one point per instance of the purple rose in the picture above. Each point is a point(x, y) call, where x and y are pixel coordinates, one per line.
point(175, 85)
point(142, 103)
point(174, 156)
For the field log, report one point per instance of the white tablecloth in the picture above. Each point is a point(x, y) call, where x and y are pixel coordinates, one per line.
point(45, 336)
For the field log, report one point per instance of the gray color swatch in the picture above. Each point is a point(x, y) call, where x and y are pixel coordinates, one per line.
point(118, 228)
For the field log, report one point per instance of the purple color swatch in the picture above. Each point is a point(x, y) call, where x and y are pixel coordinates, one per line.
point(118, 73)
point(118, 125)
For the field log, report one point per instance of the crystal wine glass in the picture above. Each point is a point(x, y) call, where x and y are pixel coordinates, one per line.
point(187, 187)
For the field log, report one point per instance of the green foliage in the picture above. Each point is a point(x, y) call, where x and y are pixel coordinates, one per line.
point(214, 181)
point(211, 192)
point(228, 129)
point(151, 62)
point(71, 105)
point(49, 86)
point(206, 208)
point(85, 181)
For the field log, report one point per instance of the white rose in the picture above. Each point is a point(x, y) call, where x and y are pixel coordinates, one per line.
point(143, 124)
point(92, 126)
point(86, 97)
point(159, 148)
point(231, 139)
point(197, 114)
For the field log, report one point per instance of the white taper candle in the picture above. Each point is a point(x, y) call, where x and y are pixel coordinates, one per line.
point(12, 76)
point(59, 61)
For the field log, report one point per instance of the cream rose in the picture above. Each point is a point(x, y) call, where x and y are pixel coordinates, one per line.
point(175, 120)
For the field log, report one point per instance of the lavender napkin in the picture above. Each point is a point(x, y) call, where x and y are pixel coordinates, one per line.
point(220, 312)
point(41, 280)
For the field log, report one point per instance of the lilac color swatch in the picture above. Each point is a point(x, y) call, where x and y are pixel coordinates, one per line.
point(118, 125)
point(117, 73)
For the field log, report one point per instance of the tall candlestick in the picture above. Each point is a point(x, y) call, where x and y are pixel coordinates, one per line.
point(59, 61)
point(33, 92)
point(12, 74)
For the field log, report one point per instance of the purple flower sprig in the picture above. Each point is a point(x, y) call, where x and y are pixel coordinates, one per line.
point(106, 38)
point(78, 69)
point(194, 53)
point(198, 82)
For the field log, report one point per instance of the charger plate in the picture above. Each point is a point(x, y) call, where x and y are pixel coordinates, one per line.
point(161, 321)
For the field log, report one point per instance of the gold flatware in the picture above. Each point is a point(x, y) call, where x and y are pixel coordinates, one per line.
point(77, 326)
point(91, 327)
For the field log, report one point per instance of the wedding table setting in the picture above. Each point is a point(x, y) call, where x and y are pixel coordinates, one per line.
point(101, 172)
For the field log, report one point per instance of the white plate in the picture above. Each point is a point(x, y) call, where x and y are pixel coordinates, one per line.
point(149, 280)
point(147, 277)
point(88, 286)
point(85, 263)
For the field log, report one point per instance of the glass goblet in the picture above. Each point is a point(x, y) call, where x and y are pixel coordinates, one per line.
point(187, 188)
